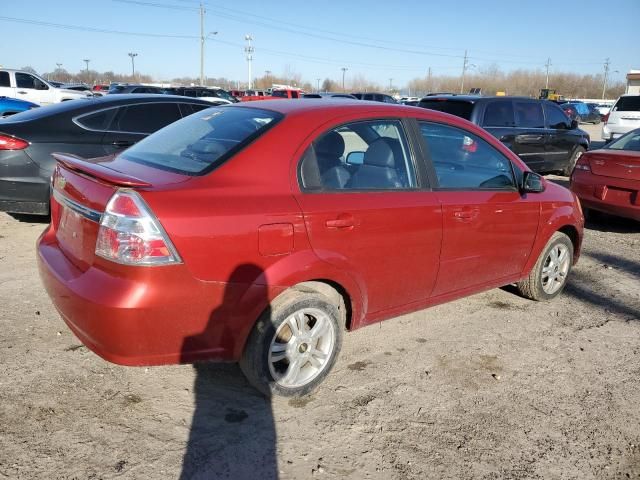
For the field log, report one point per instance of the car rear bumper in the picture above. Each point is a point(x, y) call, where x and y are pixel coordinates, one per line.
point(24, 187)
point(616, 196)
point(150, 316)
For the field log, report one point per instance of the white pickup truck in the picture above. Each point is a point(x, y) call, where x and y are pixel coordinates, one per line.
point(30, 87)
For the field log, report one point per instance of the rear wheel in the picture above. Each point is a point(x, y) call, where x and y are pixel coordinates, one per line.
point(294, 344)
point(577, 153)
point(549, 275)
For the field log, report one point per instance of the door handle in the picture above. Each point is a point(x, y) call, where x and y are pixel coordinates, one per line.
point(465, 214)
point(122, 143)
point(530, 139)
point(22, 92)
point(342, 222)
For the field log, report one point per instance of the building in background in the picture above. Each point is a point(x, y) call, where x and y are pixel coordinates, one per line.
point(633, 82)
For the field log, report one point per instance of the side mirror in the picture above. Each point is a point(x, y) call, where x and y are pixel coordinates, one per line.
point(532, 183)
point(355, 158)
point(574, 124)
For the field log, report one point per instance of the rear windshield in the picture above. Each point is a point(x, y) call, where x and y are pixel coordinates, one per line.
point(198, 143)
point(628, 104)
point(454, 107)
point(630, 141)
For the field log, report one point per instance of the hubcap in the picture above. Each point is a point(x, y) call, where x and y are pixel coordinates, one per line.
point(301, 347)
point(555, 269)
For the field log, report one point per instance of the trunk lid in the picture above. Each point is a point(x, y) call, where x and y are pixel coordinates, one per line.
point(615, 163)
point(81, 190)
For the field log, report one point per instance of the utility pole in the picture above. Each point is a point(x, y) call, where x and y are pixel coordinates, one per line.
point(390, 84)
point(429, 81)
point(59, 67)
point(606, 74)
point(318, 82)
point(267, 74)
point(465, 65)
point(344, 70)
point(202, 12)
point(248, 50)
point(133, 64)
point(548, 64)
point(86, 61)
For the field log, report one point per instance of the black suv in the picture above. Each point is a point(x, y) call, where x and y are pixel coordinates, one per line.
point(536, 130)
point(376, 97)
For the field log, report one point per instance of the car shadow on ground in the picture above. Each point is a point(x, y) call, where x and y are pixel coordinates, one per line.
point(602, 222)
point(232, 432)
point(27, 218)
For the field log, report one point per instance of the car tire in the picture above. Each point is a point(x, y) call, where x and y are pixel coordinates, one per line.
point(548, 277)
point(300, 330)
point(573, 160)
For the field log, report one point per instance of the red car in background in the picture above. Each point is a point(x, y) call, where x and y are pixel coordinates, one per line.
point(608, 180)
point(259, 232)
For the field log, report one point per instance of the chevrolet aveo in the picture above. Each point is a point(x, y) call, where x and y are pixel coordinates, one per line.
point(258, 234)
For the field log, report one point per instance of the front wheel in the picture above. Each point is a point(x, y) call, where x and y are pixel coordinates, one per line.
point(577, 153)
point(548, 276)
point(294, 344)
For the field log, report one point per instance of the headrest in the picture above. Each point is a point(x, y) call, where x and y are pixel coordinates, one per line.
point(379, 154)
point(331, 144)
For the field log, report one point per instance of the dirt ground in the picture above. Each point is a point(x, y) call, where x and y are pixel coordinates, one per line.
point(491, 386)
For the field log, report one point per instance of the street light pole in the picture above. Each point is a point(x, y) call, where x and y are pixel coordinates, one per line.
point(133, 64)
point(390, 84)
point(548, 64)
point(202, 12)
point(318, 82)
point(344, 69)
point(86, 61)
point(465, 64)
point(248, 50)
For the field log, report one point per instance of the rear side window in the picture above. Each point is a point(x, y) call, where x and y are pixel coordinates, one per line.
point(200, 142)
point(146, 117)
point(97, 121)
point(499, 114)
point(4, 79)
point(367, 155)
point(529, 115)
point(458, 108)
point(279, 93)
point(464, 161)
point(556, 118)
point(627, 104)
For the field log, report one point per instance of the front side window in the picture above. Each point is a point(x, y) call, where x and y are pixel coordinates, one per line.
point(529, 115)
point(556, 118)
point(24, 80)
point(198, 143)
point(146, 117)
point(367, 155)
point(464, 161)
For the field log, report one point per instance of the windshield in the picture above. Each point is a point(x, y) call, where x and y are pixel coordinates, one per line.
point(223, 94)
point(454, 107)
point(630, 141)
point(198, 143)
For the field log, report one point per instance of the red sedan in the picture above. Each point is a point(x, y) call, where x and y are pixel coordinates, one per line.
point(259, 232)
point(608, 180)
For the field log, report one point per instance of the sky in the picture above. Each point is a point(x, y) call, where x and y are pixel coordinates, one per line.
point(383, 41)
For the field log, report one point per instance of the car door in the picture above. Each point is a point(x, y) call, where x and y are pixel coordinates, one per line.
point(32, 89)
point(560, 140)
point(529, 142)
point(132, 123)
point(380, 224)
point(488, 226)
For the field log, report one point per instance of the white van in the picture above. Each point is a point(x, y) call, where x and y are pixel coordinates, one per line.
point(623, 117)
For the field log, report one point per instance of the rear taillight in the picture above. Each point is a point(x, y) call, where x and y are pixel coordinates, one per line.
point(605, 118)
point(130, 234)
point(12, 143)
point(582, 164)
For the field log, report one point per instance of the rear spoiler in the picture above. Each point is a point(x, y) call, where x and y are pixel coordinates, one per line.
point(96, 170)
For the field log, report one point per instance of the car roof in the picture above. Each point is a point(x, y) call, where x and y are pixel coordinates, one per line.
point(476, 98)
point(97, 103)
